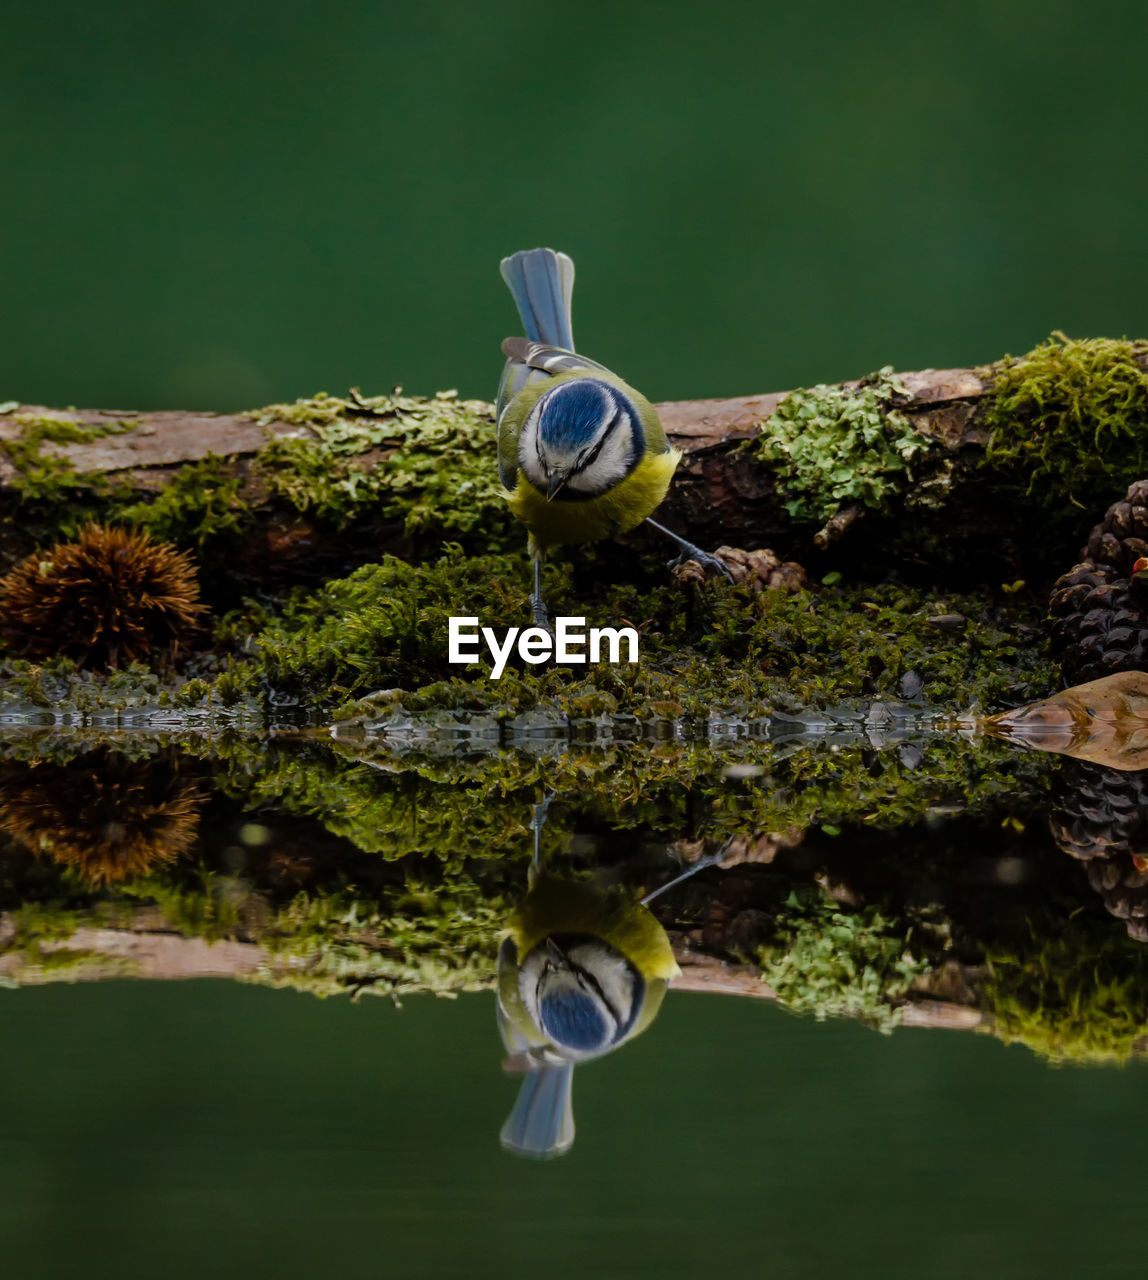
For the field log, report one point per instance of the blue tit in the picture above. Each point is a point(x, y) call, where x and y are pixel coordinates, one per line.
point(580, 972)
point(581, 454)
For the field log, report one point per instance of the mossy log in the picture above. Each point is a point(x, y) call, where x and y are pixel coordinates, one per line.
point(722, 492)
point(1009, 463)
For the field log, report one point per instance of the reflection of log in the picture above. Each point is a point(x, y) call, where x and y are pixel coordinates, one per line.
point(721, 494)
point(102, 953)
point(702, 973)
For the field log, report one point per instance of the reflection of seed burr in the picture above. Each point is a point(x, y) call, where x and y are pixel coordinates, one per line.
point(107, 816)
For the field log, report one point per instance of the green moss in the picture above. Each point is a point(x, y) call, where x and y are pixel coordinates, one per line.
point(432, 464)
point(393, 814)
point(1070, 421)
point(386, 627)
point(48, 487)
point(201, 503)
point(830, 446)
point(1078, 995)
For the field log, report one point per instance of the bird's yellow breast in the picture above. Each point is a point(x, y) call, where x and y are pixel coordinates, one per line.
point(555, 905)
point(616, 511)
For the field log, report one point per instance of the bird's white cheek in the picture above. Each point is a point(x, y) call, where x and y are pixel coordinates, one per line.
point(528, 453)
point(610, 467)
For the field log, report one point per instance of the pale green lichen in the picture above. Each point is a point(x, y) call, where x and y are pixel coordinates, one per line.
point(831, 446)
point(835, 963)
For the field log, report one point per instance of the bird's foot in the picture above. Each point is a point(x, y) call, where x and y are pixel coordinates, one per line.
point(711, 565)
point(540, 616)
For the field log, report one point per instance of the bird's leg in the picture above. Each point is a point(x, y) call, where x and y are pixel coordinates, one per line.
point(710, 860)
point(711, 564)
point(537, 608)
point(537, 822)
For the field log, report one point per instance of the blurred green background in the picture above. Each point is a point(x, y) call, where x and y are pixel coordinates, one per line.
point(237, 201)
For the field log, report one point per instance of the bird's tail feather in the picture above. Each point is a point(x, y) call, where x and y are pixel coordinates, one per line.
point(542, 282)
point(542, 1122)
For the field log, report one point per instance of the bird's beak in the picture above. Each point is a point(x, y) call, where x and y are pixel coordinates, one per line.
point(557, 480)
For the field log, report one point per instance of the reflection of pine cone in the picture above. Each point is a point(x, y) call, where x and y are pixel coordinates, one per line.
point(1100, 813)
point(1122, 536)
point(1124, 889)
point(1099, 625)
point(759, 570)
point(1101, 816)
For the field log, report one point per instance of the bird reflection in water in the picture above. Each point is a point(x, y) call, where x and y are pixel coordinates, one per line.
point(581, 971)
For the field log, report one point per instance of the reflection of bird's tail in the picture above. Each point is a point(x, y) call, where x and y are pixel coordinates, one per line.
point(542, 283)
point(542, 1122)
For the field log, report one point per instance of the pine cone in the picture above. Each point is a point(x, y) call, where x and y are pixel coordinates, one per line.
point(1099, 620)
point(759, 570)
point(1122, 536)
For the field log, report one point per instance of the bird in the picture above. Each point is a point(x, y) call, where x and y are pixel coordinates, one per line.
point(582, 455)
point(581, 971)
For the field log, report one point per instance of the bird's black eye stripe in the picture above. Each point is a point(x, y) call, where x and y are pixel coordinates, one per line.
point(587, 979)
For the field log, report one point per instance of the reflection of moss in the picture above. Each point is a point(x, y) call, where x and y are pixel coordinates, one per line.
point(833, 963)
point(432, 462)
point(1070, 420)
point(441, 939)
point(1079, 996)
point(393, 814)
point(834, 445)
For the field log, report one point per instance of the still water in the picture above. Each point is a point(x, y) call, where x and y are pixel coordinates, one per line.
point(209, 1127)
point(218, 1124)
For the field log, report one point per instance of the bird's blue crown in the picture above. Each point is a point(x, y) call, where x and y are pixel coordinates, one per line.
point(573, 1020)
point(574, 411)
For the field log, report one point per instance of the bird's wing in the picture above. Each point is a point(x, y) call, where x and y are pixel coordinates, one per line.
point(548, 359)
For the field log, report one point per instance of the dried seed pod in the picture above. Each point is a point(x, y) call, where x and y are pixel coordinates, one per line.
point(111, 596)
